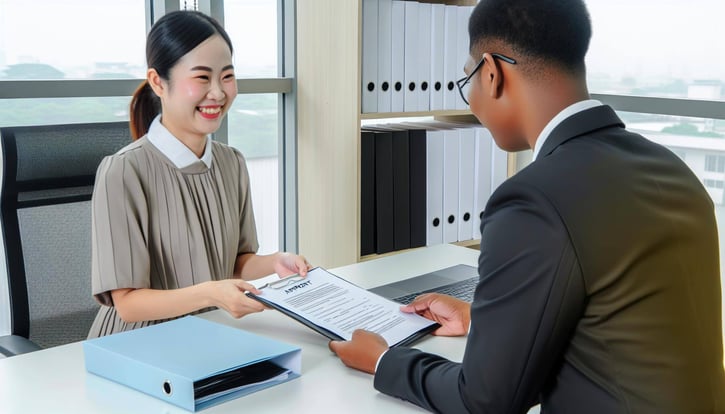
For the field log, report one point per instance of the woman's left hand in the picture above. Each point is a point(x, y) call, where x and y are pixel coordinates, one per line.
point(286, 264)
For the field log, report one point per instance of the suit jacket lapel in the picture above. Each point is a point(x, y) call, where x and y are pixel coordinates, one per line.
point(579, 124)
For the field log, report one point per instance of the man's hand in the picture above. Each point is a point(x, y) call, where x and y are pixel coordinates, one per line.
point(362, 351)
point(452, 314)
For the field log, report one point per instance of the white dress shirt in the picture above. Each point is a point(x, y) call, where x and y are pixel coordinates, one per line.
point(174, 149)
point(559, 118)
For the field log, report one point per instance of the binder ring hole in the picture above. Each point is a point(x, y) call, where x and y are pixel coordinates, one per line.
point(424, 86)
point(385, 86)
point(466, 216)
point(450, 86)
point(411, 86)
point(436, 222)
point(451, 219)
point(438, 86)
point(167, 387)
point(398, 86)
point(371, 86)
point(480, 215)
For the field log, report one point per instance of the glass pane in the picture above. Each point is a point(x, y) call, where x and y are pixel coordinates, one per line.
point(74, 39)
point(252, 26)
point(19, 112)
point(254, 130)
point(666, 48)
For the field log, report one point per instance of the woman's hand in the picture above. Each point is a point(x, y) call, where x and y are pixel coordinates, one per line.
point(286, 264)
point(229, 295)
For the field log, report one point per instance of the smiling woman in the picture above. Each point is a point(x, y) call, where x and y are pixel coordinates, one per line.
point(94, 83)
point(177, 201)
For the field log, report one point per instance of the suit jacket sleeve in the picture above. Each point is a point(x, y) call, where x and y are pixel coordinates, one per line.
point(526, 306)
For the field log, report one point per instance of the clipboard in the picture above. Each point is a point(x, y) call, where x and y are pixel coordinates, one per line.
point(329, 332)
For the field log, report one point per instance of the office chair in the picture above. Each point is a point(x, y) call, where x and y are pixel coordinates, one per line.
point(48, 174)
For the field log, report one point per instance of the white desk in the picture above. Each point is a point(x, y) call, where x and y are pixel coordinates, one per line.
point(55, 381)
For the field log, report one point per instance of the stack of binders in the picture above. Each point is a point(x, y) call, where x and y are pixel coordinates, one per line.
point(412, 55)
point(425, 183)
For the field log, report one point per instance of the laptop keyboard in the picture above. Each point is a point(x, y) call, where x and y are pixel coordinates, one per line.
point(462, 290)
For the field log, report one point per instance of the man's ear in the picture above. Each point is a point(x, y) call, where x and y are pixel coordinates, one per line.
point(156, 82)
point(493, 76)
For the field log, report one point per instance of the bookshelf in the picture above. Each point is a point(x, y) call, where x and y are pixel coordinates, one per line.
point(329, 62)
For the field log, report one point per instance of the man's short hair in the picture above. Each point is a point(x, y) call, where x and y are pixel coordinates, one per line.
point(549, 31)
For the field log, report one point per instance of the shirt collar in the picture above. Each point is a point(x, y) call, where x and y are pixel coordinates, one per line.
point(174, 149)
point(559, 118)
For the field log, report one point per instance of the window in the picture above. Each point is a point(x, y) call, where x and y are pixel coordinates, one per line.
point(254, 130)
point(253, 120)
point(672, 55)
point(714, 183)
point(108, 46)
point(47, 39)
point(715, 163)
point(252, 26)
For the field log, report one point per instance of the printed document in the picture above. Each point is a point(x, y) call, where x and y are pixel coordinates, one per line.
point(336, 307)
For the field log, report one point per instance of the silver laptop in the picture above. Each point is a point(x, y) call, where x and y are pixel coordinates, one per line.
point(458, 281)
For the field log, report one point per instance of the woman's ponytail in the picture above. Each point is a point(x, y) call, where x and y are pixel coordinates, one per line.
point(144, 107)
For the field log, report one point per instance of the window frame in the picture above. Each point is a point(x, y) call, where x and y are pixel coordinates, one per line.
point(695, 108)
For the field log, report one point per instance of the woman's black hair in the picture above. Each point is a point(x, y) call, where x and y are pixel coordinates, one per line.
point(171, 37)
point(552, 31)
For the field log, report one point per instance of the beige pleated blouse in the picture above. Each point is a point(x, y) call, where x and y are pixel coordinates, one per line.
point(162, 227)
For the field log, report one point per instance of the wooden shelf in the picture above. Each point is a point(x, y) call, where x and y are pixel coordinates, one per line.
point(384, 115)
point(466, 243)
point(471, 244)
point(377, 256)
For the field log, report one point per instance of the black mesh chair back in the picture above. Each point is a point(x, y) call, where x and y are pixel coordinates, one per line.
point(48, 174)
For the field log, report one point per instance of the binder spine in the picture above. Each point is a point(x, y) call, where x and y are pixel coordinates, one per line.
point(369, 85)
point(368, 229)
point(397, 60)
point(384, 197)
point(401, 190)
point(150, 380)
point(418, 195)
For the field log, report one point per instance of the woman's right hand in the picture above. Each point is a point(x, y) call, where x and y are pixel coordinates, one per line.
point(229, 295)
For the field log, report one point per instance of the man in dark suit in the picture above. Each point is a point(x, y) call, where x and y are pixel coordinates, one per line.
point(599, 282)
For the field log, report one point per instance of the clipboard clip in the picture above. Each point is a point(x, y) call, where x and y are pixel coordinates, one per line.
point(283, 283)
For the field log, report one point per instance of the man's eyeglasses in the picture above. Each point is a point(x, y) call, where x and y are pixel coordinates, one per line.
point(464, 83)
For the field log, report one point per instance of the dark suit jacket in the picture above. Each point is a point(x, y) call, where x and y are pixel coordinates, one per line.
point(599, 290)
